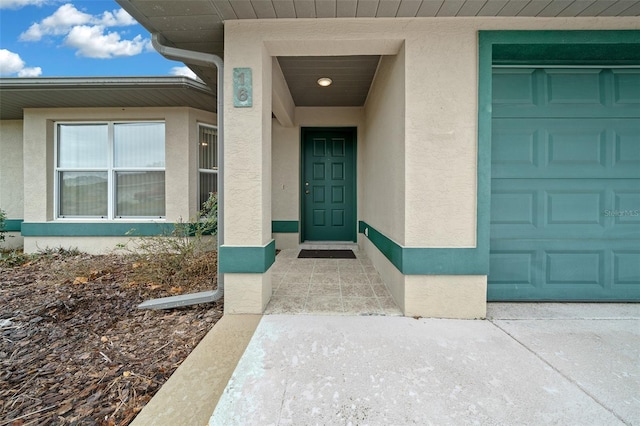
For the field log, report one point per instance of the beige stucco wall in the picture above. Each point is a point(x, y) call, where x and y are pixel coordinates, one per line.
point(446, 296)
point(285, 172)
point(383, 165)
point(384, 150)
point(11, 175)
point(181, 152)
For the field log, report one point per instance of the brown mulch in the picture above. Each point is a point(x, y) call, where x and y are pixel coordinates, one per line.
point(75, 350)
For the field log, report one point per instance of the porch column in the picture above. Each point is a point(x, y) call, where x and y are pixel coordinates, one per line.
point(248, 250)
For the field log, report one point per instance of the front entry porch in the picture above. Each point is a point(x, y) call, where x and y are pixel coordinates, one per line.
point(328, 287)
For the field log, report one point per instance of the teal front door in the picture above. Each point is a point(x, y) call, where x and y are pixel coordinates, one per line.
point(328, 185)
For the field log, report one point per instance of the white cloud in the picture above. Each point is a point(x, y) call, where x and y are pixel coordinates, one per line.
point(88, 33)
point(184, 71)
point(61, 22)
point(92, 42)
point(117, 18)
point(17, 4)
point(11, 63)
point(30, 72)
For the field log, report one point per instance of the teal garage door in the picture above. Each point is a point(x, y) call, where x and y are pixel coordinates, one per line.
point(565, 187)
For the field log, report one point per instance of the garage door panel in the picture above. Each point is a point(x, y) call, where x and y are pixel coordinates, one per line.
point(626, 267)
point(515, 207)
point(578, 270)
point(574, 267)
point(626, 87)
point(514, 147)
point(583, 147)
point(566, 93)
point(513, 267)
point(565, 208)
point(626, 147)
point(570, 87)
point(575, 210)
point(515, 87)
point(626, 210)
point(571, 148)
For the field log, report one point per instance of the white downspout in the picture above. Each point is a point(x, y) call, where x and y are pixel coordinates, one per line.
point(205, 60)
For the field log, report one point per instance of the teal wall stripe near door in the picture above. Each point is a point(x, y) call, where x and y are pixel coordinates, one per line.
point(13, 225)
point(285, 226)
point(252, 260)
point(429, 261)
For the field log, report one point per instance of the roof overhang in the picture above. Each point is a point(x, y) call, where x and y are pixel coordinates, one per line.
point(125, 92)
point(198, 25)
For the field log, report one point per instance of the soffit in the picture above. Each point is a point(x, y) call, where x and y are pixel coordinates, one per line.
point(351, 76)
point(197, 25)
point(124, 92)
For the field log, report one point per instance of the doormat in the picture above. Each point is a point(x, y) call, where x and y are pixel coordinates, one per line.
point(326, 254)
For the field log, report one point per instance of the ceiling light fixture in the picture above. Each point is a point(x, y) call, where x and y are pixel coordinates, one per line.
point(325, 81)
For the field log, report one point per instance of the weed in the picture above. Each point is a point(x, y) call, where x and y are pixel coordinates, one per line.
point(185, 253)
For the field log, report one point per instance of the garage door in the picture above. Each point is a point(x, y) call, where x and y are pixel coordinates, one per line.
point(565, 197)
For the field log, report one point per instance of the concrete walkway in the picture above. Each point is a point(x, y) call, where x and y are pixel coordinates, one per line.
point(528, 364)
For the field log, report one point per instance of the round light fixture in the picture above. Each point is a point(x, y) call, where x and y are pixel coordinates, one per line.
point(325, 81)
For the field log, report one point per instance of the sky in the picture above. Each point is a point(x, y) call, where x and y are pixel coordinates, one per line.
point(76, 38)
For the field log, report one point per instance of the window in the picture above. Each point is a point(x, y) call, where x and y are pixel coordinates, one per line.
point(110, 170)
point(207, 162)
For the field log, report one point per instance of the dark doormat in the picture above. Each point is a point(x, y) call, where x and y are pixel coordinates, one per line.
point(326, 254)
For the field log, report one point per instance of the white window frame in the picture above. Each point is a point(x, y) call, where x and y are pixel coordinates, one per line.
point(205, 171)
point(110, 169)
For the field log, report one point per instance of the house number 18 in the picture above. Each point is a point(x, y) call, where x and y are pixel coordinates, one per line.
point(242, 88)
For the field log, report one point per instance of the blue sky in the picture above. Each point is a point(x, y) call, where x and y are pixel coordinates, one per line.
point(55, 38)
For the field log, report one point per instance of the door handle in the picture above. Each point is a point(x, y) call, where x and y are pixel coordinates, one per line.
point(306, 191)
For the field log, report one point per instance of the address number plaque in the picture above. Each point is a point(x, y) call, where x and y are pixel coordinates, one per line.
point(242, 88)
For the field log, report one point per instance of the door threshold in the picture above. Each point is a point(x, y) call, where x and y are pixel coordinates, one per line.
point(328, 245)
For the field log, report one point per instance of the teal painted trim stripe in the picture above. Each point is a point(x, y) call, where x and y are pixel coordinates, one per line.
point(112, 229)
point(429, 261)
point(285, 226)
point(391, 250)
point(251, 260)
point(13, 225)
point(81, 229)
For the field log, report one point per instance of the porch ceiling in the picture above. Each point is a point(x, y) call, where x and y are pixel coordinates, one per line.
point(198, 25)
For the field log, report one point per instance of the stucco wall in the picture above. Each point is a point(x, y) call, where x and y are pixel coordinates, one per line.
point(180, 154)
point(11, 171)
point(383, 151)
point(383, 164)
point(11, 177)
point(285, 172)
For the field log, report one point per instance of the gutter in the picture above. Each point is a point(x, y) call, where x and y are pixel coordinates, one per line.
point(205, 60)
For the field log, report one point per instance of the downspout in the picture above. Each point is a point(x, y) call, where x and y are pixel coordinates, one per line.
point(205, 60)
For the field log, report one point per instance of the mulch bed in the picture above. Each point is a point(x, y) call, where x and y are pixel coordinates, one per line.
point(76, 350)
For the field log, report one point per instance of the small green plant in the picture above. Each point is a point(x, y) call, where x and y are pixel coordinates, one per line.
point(14, 257)
point(3, 225)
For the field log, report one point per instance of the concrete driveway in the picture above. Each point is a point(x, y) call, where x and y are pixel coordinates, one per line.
point(528, 364)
